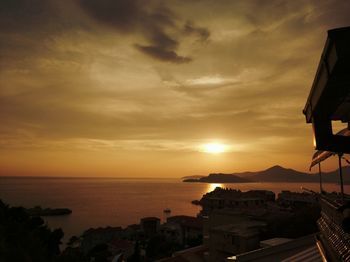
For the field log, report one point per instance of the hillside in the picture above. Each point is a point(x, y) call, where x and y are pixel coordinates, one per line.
point(274, 174)
point(281, 174)
point(192, 177)
point(219, 178)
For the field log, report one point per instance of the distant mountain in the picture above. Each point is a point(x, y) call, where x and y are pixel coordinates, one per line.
point(192, 177)
point(281, 174)
point(333, 177)
point(275, 174)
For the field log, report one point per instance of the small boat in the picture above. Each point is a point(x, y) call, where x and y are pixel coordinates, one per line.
point(167, 210)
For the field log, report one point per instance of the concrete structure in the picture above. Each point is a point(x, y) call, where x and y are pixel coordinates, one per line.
point(172, 232)
point(329, 101)
point(274, 242)
point(231, 231)
point(150, 225)
point(194, 254)
point(222, 198)
point(236, 238)
point(297, 250)
point(132, 231)
point(188, 228)
point(96, 236)
point(334, 226)
point(288, 198)
point(329, 96)
point(121, 247)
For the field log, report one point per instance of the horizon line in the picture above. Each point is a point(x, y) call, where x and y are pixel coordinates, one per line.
point(55, 176)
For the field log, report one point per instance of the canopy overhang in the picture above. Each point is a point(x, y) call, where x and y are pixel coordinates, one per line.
point(321, 155)
point(329, 98)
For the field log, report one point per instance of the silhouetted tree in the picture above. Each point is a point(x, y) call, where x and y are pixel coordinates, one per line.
point(100, 253)
point(25, 238)
point(159, 247)
point(72, 240)
point(136, 256)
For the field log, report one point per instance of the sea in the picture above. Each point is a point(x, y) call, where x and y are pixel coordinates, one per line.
point(100, 202)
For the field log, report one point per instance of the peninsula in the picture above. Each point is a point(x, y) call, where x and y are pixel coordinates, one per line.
point(39, 211)
point(273, 174)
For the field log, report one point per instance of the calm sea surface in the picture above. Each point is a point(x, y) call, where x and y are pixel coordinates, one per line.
point(118, 202)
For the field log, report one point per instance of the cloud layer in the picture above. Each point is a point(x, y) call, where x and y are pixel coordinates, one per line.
point(154, 21)
point(162, 76)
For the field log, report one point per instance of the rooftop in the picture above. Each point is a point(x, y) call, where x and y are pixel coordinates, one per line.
point(296, 250)
point(329, 98)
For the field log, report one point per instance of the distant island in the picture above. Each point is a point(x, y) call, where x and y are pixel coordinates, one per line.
point(273, 174)
point(39, 211)
point(192, 177)
point(218, 178)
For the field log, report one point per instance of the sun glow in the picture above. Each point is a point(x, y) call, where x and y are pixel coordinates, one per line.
point(214, 148)
point(212, 186)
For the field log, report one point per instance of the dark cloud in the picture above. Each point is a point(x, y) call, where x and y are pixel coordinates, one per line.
point(153, 21)
point(28, 25)
point(162, 54)
point(21, 15)
point(162, 40)
point(201, 32)
point(121, 15)
point(29, 30)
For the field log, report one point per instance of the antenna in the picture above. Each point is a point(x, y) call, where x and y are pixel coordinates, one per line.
point(320, 175)
point(341, 176)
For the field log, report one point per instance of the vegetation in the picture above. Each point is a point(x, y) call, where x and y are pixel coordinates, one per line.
point(25, 238)
point(160, 247)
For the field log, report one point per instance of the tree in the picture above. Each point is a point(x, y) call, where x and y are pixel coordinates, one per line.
point(26, 238)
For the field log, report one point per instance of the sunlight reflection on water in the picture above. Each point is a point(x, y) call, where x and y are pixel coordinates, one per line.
point(212, 186)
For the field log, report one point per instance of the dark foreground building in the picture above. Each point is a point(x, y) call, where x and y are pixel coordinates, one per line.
point(329, 101)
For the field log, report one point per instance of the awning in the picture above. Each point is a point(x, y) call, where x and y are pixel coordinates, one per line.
point(329, 98)
point(320, 156)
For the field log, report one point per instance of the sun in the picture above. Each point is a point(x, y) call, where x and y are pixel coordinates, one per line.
point(214, 148)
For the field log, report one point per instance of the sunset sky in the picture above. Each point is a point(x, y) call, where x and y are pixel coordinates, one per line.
point(140, 88)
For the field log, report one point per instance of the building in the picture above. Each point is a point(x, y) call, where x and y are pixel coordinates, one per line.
point(184, 229)
point(222, 198)
point(131, 231)
point(172, 232)
point(230, 231)
point(150, 225)
point(193, 254)
point(285, 250)
point(329, 101)
point(95, 236)
point(121, 247)
point(234, 238)
point(288, 198)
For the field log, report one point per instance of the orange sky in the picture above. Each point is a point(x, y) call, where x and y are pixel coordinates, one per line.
point(136, 88)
